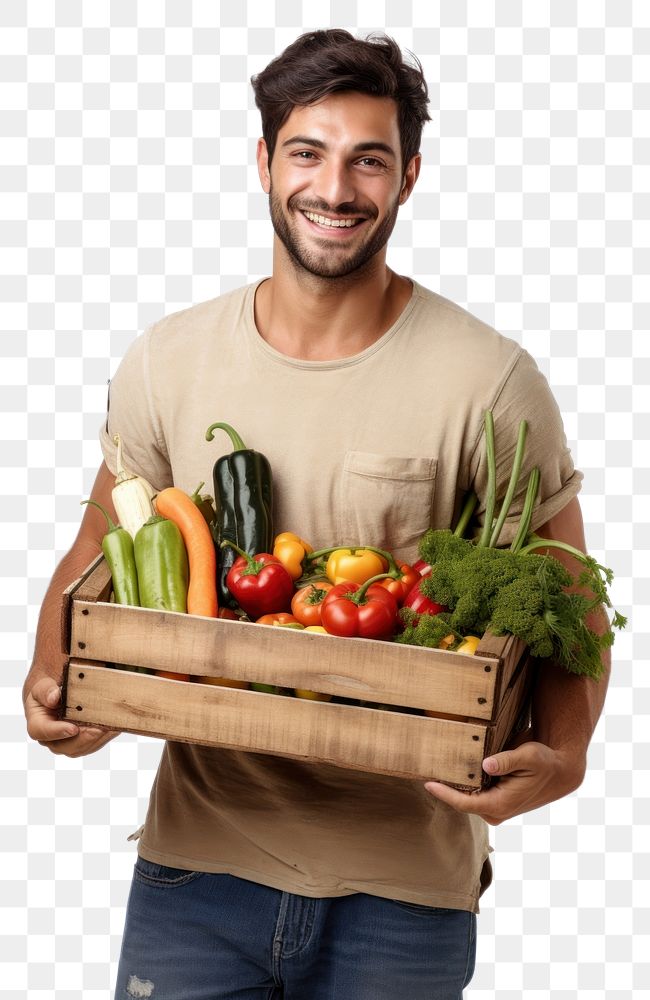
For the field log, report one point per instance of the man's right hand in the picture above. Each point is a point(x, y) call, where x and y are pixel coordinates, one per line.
point(59, 736)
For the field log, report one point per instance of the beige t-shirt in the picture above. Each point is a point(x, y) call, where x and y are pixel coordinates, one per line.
point(372, 449)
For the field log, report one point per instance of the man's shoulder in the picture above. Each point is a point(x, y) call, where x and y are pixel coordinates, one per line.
point(201, 319)
point(454, 325)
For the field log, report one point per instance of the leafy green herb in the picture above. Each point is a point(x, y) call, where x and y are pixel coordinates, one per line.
point(516, 590)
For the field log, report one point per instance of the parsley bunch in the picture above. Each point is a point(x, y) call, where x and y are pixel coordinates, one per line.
point(518, 590)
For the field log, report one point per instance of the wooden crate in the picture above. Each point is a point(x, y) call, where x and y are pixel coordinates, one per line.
point(476, 701)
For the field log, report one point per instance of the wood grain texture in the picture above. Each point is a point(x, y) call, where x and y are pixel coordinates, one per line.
point(513, 705)
point(472, 702)
point(94, 584)
point(511, 651)
point(379, 741)
point(366, 669)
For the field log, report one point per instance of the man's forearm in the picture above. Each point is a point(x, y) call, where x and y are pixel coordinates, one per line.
point(49, 658)
point(41, 691)
point(566, 707)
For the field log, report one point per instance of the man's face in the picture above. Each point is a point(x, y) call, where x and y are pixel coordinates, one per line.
point(335, 184)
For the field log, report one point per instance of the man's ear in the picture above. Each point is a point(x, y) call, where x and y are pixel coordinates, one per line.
point(410, 176)
point(263, 165)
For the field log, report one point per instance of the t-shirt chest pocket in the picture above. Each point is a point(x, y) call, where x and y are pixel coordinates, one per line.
point(386, 501)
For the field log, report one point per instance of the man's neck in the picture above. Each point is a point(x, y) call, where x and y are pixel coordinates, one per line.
point(325, 319)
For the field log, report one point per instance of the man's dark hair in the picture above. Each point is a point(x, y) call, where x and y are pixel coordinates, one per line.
point(320, 63)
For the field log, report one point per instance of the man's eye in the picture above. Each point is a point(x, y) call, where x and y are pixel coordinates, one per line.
point(304, 154)
point(371, 161)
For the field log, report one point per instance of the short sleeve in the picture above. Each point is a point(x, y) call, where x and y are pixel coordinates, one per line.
point(526, 395)
point(131, 414)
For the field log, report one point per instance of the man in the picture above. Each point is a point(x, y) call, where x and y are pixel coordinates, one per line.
point(262, 877)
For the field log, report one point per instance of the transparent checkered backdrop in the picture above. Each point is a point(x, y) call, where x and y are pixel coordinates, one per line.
point(128, 190)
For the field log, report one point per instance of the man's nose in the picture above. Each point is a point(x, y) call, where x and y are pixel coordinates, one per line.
point(334, 184)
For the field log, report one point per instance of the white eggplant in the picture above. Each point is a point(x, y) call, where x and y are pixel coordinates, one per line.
point(132, 496)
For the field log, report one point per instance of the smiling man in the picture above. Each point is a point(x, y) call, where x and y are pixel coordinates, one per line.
point(335, 177)
point(340, 184)
point(259, 877)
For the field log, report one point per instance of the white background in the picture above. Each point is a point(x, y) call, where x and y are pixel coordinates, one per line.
point(127, 190)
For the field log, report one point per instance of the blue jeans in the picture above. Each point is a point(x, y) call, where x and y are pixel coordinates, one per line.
point(195, 936)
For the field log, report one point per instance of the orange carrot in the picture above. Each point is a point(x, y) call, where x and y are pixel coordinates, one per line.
point(179, 508)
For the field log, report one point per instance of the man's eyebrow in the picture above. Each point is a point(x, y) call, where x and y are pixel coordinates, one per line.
point(381, 147)
point(373, 145)
point(304, 140)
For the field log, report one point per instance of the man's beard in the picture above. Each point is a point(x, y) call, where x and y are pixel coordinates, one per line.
point(331, 261)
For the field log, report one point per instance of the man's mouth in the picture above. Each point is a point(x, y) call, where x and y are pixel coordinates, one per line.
point(323, 220)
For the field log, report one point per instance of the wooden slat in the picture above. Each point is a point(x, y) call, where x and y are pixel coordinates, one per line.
point(493, 645)
point(510, 651)
point(475, 700)
point(365, 739)
point(363, 669)
point(512, 706)
point(69, 590)
point(94, 584)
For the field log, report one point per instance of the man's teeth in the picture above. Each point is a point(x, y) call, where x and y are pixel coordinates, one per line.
point(335, 223)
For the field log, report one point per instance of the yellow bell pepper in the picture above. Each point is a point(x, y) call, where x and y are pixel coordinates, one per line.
point(303, 692)
point(311, 695)
point(469, 645)
point(353, 565)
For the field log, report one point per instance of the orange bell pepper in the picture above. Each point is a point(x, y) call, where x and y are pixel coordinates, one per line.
point(291, 550)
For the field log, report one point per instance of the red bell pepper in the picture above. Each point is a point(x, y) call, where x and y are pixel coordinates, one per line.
point(260, 584)
point(421, 604)
point(422, 567)
point(368, 611)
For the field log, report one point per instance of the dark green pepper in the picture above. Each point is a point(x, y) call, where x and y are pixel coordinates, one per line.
point(205, 503)
point(162, 564)
point(117, 546)
point(243, 496)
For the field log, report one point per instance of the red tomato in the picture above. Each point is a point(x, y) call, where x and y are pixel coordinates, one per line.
point(307, 603)
point(278, 618)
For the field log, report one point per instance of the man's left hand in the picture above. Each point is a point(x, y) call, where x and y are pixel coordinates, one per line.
point(529, 776)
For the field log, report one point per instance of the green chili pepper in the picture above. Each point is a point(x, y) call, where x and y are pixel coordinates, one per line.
point(162, 564)
point(243, 495)
point(117, 546)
